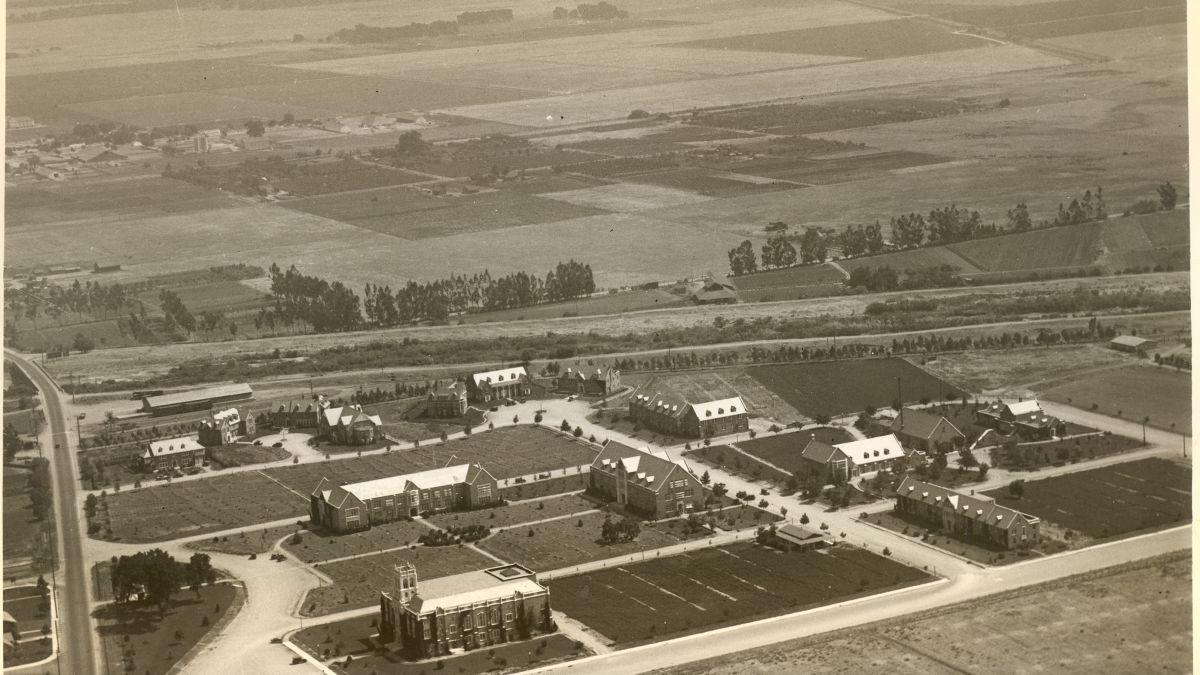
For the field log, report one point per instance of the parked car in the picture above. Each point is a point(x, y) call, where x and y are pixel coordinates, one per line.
point(277, 444)
point(276, 640)
point(258, 442)
point(493, 409)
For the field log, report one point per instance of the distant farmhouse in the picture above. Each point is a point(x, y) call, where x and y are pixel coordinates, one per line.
point(463, 611)
point(497, 385)
point(670, 414)
point(197, 399)
point(850, 460)
point(717, 290)
point(446, 399)
point(927, 432)
point(1132, 344)
point(173, 453)
point(966, 516)
point(358, 506)
point(225, 427)
point(349, 425)
point(1025, 418)
point(589, 381)
point(651, 484)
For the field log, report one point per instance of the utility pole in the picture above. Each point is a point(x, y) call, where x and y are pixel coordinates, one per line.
point(900, 398)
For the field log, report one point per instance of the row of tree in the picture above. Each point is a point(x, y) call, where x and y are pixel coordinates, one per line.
point(154, 576)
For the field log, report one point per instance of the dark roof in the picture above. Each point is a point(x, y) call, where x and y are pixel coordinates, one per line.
point(714, 294)
point(919, 423)
point(975, 508)
point(818, 451)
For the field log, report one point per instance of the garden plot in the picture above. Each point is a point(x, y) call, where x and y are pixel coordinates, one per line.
point(624, 197)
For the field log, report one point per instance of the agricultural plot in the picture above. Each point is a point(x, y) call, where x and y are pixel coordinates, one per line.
point(633, 143)
point(709, 183)
point(807, 118)
point(868, 40)
point(515, 513)
point(913, 259)
point(1133, 392)
point(844, 387)
point(624, 166)
point(1023, 369)
point(1164, 13)
point(222, 295)
point(163, 110)
point(1053, 248)
point(616, 303)
point(467, 164)
point(783, 450)
point(834, 170)
point(21, 530)
point(357, 581)
point(27, 207)
point(821, 274)
point(406, 214)
point(560, 544)
point(626, 197)
point(506, 453)
point(315, 546)
point(193, 507)
point(1112, 501)
point(720, 586)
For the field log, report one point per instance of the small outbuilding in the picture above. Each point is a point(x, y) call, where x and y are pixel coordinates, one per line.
point(1132, 344)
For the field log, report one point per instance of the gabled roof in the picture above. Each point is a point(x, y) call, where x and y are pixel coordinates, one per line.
point(172, 446)
point(469, 588)
point(1129, 341)
point(199, 395)
point(871, 450)
point(347, 415)
point(586, 373)
point(448, 389)
point(973, 507)
point(1024, 407)
point(421, 480)
point(502, 376)
point(668, 403)
point(647, 468)
point(818, 451)
point(725, 407)
point(920, 424)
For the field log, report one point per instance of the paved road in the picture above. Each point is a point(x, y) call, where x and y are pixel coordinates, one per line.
point(75, 624)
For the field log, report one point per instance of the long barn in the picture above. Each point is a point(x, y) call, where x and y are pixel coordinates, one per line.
point(196, 399)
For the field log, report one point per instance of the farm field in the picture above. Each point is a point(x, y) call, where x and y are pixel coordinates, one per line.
point(515, 513)
point(913, 259)
point(319, 545)
point(844, 387)
point(1055, 248)
point(625, 197)
point(206, 108)
point(783, 450)
point(1059, 19)
point(409, 215)
point(1147, 603)
point(711, 587)
point(618, 303)
point(195, 507)
point(28, 207)
point(357, 581)
point(801, 275)
point(560, 544)
point(157, 649)
point(506, 453)
point(807, 171)
point(873, 40)
point(1021, 371)
point(1112, 501)
point(1136, 391)
point(710, 183)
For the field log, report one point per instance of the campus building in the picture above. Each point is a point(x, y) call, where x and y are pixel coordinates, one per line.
point(670, 414)
point(173, 453)
point(349, 425)
point(921, 430)
point(850, 460)
point(446, 399)
point(358, 506)
point(1024, 418)
point(649, 483)
point(197, 399)
point(225, 427)
point(298, 415)
point(497, 385)
point(463, 611)
point(967, 516)
point(589, 381)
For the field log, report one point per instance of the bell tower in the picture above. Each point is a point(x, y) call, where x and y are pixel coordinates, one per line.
point(406, 582)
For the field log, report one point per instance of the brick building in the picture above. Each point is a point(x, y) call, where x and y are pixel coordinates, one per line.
point(446, 399)
point(670, 414)
point(648, 483)
point(927, 432)
point(463, 611)
point(173, 453)
point(589, 381)
point(967, 516)
point(298, 415)
point(1024, 418)
point(358, 506)
point(225, 427)
point(850, 460)
point(349, 425)
point(497, 385)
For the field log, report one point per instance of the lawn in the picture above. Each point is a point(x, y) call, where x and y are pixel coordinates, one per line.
point(868, 40)
point(175, 510)
point(844, 387)
point(1112, 501)
point(564, 543)
point(358, 581)
point(1133, 393)
point(516, 512)
point(783, 450)
point(1035, 455)
point(135, 639)
point(713, 587)
point(243, 454)
point(32, 613)
point(737, 463)
point(980, 552)
point(22, 532)
point(244, 543)
point(316, 546)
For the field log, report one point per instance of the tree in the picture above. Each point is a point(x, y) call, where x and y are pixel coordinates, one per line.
point(565, 426)
point(12, 442)
point(742, 260)
point(199, 570)
point(83, 343)
point(255, 128)
point(153, 572)
point(1017, 489)
point(1167, 196)
point(627, 529)
point(705, 478)
point(803, 518)
point(1018, 218)
point(577, 432)
point(812, 246)
point(778, 252)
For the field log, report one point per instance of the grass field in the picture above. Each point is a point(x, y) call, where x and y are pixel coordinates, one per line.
point(1025, 369)
point(241, 454)
point(357, 581)
point(564, 543)
point(32, 614)
point(1033, 455)
point(731, 460)
point(874, 40)
point(152, 638)
point(719, 586)
point(244, 543)
point(1112, 501)
point(801, 275)
point(410, 215)
point(835, 170)
point(783, 450)
point(31, 206)
point(1133, 392)
point(1147, 603)
point(515, 513)
point(316, 546)
point(625, 197)
point(843, 387)
point(709, 183)
point(618, 303)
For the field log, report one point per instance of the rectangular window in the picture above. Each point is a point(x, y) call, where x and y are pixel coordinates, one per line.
point(450, 627)
point(467, 622)
point(507, 617)
point(425, 628)
point(495, 615)
point(485, 490)
point(390, 502)
point(352, 512)
point(481, 619)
